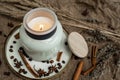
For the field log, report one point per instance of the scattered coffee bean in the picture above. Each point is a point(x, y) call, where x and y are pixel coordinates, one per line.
point(43, 61)
point(11, 46)
point(7, 73)
point(11, 57)
point(66, 43)
point(20, 71)
point(51, 61)
point(15, 60)
point(14, 42)
point(11, 50)
point(0, 62)
point(47, 74)
point(5, 35)
point(85, 12)
point(59, 65)
point(10, 24)
point(63, 61)
point(0, 32)
point(30, 59)
point(111, 27)
point(56, 71)
point(47, 62)
point(24, 72)
point(20, 48)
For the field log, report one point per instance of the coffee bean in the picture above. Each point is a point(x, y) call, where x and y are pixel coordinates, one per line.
point(59, 64)
point(30, 59)
point(20, 71)
point(0, 32)
point(59, 67)
point(11, 57)
point(47, 74)
point(47, 62)
point(7, 73)
point(14, 42)
point(24, 72)
point(0, 62)
point(111, 27)
point(15, 60)
point(56, 71)
point(66, 43)
point(11, 50)
point(51, 61)
point(20, 48)
point(5, 35)
point(63, 62)
point(85, 12)
point(11, 46)
point(10, 24)
point(43, 61)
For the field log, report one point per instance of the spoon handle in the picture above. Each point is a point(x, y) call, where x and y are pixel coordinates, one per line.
point(78, 71)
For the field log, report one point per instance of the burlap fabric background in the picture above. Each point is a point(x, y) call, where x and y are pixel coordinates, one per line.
point(101, 25)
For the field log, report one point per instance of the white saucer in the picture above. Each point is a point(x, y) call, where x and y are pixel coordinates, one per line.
point(11, 45)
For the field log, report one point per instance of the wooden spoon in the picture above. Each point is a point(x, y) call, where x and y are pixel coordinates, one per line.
point(79, 48)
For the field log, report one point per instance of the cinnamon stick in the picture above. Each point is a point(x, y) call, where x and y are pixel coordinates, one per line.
point(93, 60)
point(59, 56)
point(17, 36)
point(27, 64)
point(89, 70)
point(94, 52)
point(78, 71)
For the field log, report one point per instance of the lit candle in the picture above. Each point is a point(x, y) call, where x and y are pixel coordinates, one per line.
point(40, 24)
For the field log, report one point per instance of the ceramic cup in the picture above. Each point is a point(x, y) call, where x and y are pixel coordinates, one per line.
point(41, 45)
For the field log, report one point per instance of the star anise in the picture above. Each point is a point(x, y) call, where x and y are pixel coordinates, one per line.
point(18, 64)
point(52, 69)
point(41, 72)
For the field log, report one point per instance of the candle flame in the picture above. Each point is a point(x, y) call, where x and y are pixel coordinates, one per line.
point(41, 27)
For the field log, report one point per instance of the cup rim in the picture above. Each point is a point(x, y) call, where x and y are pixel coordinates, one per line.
point(38, 32)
